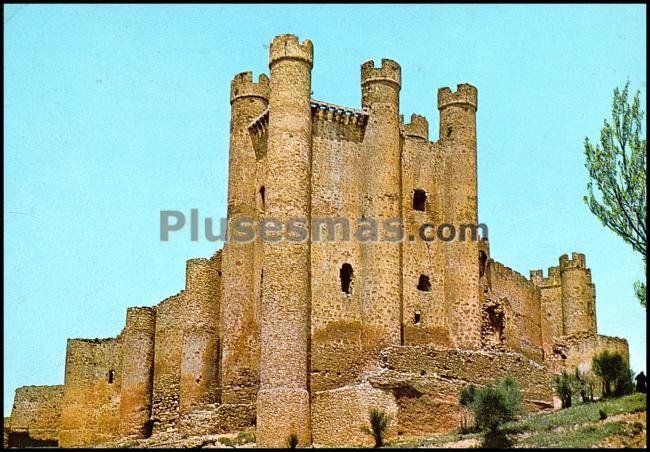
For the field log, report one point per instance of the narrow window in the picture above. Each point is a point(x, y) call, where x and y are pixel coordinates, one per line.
point(419, 200)
point(417, 317)
point(262, 197)
point(482, 259)
point(111, 376)
point(424, 284)
point(346, 278)
point(448, 131)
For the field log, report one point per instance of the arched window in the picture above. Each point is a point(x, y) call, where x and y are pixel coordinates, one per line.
point(424, 284)
point(482, 259)
point(111, 376)
point(417, 316)
point(346, 278)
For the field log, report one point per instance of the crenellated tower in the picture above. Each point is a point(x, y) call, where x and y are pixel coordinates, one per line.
point(283, 404)
point(240, 307)
point(578, 295)
point(380, 288)
point(458, 145)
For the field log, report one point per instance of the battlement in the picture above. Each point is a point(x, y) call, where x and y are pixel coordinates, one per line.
point(337, 113)
point(505, 272)
point(389, 71)
point(288, 47)
point(577, 261)
point(418, 127)
point(465, 94)
point(242, 85)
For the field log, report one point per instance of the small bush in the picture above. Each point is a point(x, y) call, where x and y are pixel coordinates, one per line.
point(496, 405)
point(378, 426)
point(565, 386)
point(613, 370)
point(602, 415)
point(292, 441)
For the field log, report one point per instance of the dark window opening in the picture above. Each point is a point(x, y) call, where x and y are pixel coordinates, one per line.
point(482, 259)
point(148, 428)
point(419, 200)
point(346, 278)
point(417, 317)
point(424, 284)
point(262, 197)
point(111, 376)
point(449, 130)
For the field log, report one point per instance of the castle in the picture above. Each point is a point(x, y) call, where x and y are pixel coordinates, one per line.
point(306, 337)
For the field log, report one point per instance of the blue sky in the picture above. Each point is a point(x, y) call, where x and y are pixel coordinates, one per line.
point(113, 113)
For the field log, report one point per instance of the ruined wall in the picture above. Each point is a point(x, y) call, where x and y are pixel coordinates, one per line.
point(577, 351)
point(423, 261)
point(512, 311)
point(137, 372)
point(35, 417)
point(90, 411)
point(337, 352)
point(419, 387)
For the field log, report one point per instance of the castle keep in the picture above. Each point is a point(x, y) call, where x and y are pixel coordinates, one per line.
point(306, 337)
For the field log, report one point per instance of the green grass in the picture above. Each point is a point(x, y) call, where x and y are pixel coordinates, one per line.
point(576, 427)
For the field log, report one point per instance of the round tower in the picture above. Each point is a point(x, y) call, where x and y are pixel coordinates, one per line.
point(239, 310)
point(380, 288)
point(578, 295)
point(283, 405)
point(458, 143)
point(137, 372)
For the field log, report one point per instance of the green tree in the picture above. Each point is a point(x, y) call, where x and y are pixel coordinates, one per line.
point(565, 386)
point(616, 191)
point(613, 369)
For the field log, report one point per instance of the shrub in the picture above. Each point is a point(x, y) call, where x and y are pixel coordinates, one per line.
point(565, 386)
point(602, 415)
point(292, 441)
point(378, 426)
point(496, 405)
point(613, 369)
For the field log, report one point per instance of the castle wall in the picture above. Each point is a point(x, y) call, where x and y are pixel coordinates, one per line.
point(36, 416)
point(167, 363)
point(521, 304)
point(424, 308)
point(337, 353)
point(137, 372)
point(199, 368)
point(90, 411)
point(577, 351)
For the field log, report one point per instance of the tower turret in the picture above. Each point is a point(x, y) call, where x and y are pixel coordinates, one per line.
point(578, 295)
point(380, 288)
point(283, 404)
point(239, 312)
point(458, 142)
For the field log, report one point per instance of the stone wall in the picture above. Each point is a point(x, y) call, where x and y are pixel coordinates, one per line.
point(91, 397)
point(577, 351)
point(36, 416)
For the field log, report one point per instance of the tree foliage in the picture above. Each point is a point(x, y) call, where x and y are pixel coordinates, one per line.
point(616, 191)
point(379, 421)
point(614, 371)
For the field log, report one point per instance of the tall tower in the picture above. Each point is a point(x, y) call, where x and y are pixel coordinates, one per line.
point(239, 308)
point(381, 282)
point(458, 141)
point(578, 295)
point(137, 372)
point(283, 405)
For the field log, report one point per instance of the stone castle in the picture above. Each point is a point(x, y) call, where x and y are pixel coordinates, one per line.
point(306, 337)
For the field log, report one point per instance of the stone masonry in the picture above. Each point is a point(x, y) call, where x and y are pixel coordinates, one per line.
point(305, 336)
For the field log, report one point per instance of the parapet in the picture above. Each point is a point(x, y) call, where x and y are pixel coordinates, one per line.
point(141, 319)
point(418, 127)
point(242, 85)
point(577, 261)
point(553, 279)
point(389, 71)
point(465, 94)
point(288, 47)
